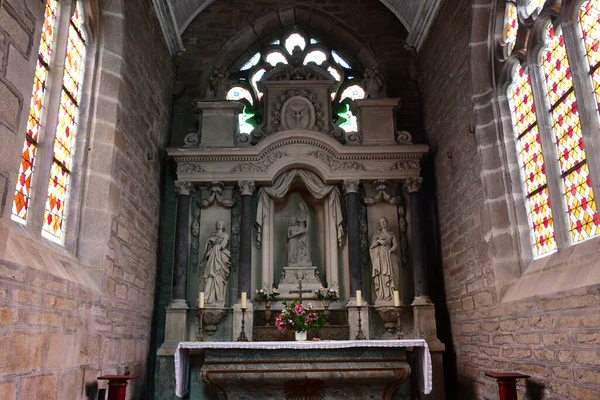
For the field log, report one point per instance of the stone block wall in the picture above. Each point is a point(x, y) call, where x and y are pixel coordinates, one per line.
point(69, 314)
point(503, 316)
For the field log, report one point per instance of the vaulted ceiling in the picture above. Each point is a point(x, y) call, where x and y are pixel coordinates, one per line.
point(175, 16)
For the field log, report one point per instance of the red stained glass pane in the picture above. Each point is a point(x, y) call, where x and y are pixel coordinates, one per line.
point(64, 141)
point(531, 160)
point(26, 169)
point(579, 195)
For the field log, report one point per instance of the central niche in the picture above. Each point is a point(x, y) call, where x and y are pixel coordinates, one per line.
point(287, 209)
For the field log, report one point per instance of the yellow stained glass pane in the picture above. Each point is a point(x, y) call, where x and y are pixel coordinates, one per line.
point(533, 5)
point(589, 22)
point(511, 26)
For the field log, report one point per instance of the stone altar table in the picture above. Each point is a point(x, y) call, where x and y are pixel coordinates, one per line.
point(331, 369)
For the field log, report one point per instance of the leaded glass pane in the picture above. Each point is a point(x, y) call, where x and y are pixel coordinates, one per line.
point(351, 122)
point(353, 92)
point(26, 168)
point(255, 78)
point(238, 93)
point(533, 5)
point(316, 56)
point(275, 58)
point(511, 25)
point(579, 195)
point(251, 62)
point(589, 20)
point(335, 73)
point(531, 161)
point(295, 39)
point(64, 141)
point(338, 59)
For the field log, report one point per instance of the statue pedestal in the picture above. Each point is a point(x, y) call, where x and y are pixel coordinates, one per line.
point(289, 283)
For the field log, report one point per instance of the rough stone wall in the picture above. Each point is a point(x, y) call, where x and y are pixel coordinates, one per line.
point(64, 319)
point(554, 337)
point(224, 30)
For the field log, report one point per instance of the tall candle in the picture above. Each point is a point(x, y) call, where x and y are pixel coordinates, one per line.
point(396, 298)
point(358, 298)
point(243, 299)
point(201, 300)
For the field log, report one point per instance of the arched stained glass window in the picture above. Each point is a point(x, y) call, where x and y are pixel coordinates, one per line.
point(64, 140)
point(353, 92)
point(275, 58)
point(338, 59)
point(295, 39)
point(335, 73)
point(511, 26)
point(34, 122)
point(316, 56)
point(589, 20)
point(238, 93)
point(251, 62)
point(579, 195)
point(531, 160)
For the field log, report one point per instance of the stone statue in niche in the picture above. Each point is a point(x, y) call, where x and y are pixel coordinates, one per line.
point(298, 113)
point(217, 265)
point(298, 246)
point(384, 261)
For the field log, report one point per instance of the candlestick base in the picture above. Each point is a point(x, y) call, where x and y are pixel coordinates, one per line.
point(360, 335)
point(200, 334)
point(399, 310)
point(243, 337)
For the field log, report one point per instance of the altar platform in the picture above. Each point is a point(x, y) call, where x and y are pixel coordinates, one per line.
point(345, 369)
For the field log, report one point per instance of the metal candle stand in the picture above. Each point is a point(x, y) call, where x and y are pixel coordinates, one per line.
point(200, 334)
point(243, 337)
point(360, 335)
point(399, 310)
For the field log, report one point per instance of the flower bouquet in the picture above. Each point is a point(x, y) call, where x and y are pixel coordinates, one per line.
point(299, 319)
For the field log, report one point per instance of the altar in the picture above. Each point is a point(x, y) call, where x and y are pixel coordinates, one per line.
point(317, 369)
point(285, 209)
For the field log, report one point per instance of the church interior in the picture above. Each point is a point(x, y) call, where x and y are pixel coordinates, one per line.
point(319, 199)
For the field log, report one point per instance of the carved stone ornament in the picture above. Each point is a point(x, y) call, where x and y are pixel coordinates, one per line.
point(374, 82)
point(219, 82)
point(335, 164)
point(403, 137)
point(246, 188)
point(183, 188)
point(351, 185)
point(382, 194)
point(278, 123)
point(261, 165)
point(354, 138)
point(412, 185)
point(405, 164)
point(216, 190)
point(298, 113)
point(191, 140)
point(189, 167)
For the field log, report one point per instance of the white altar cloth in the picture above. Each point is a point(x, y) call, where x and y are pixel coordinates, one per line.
point(185, 349)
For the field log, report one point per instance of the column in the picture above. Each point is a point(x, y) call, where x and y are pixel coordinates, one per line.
point(352, 214)
point(413, 187)
point(245, 264)
point(180, 268)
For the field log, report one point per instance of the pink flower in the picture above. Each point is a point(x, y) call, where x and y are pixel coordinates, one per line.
point(321, 288)
point(255, 291)
point(298, 309)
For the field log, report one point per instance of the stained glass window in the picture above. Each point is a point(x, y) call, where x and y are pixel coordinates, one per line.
point(335, 73)
point(34, 121)
point(338, 59)
point(251, 62)
point(353, 92)
point(531, 162)
point(255, 78)
point(238, 93)
point(511, 25)
point(64, 140)
point(533, 6)
point(295, 39)
point(275, 58)
point(589, 20)
point(579, 195)
point(316, 56)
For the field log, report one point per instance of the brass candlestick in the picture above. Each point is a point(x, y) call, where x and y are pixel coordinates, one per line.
point(399, 310)
point(359, 335)
point(200, 334)
point(243, 337)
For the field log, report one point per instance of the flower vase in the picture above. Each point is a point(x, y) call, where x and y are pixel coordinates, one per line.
point(267, 314)
point(300, 336)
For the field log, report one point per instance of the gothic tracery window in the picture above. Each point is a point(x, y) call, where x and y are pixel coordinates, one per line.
point(60, 160)
point(280, 51)
point(557, 101)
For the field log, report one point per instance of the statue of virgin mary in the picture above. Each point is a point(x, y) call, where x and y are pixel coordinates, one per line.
point(298, 238)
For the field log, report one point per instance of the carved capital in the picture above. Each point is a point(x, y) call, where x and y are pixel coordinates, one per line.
point(183, 188)
point(246, 187)
point(412, 185)
point(351, 185)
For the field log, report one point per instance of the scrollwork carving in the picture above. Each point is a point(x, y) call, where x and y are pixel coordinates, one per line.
point(261, 165)
point(192, 139)
point(335, 164)
point(405, 164)
point(403, 137)
point(189, 167)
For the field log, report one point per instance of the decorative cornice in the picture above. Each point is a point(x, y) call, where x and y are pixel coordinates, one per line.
point(412, 185)
point(189, 167)
point(183, 188)
point(351, 185)
point(261, 165)
point(336, 164)
point(405, 164)
point(246, 188)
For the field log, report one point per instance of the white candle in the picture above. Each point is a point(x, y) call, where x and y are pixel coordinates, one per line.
point(201, 300)
point(243, 299)
point(396, 298)
point(358, 298)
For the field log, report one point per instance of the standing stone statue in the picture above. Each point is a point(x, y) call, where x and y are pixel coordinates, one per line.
point(384, 261)
point(217, 265)
point(298, 250)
